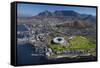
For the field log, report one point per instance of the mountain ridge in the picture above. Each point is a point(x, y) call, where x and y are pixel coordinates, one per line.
point(60, 17)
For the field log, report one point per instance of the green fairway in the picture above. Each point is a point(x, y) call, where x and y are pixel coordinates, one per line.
point(81, 42)
point(57, 47)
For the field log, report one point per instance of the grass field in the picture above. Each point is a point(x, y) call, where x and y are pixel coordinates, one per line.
point(79, 42)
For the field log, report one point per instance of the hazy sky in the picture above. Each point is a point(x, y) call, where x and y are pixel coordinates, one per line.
point(34, 9)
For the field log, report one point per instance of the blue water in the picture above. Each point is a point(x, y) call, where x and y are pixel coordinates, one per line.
point(21, 27)
point(25, 51)
point(24, 55)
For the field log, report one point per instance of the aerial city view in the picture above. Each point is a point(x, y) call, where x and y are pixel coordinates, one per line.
point(55, 34)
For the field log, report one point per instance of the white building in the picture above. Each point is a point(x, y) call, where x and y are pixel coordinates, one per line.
point(60, 40)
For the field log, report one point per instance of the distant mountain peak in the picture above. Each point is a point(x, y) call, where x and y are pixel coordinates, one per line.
point(45, 13)
point(59, 13)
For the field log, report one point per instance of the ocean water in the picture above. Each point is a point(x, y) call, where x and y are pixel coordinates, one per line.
point(21, 27)
point(25, 51)
point(24, 55)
